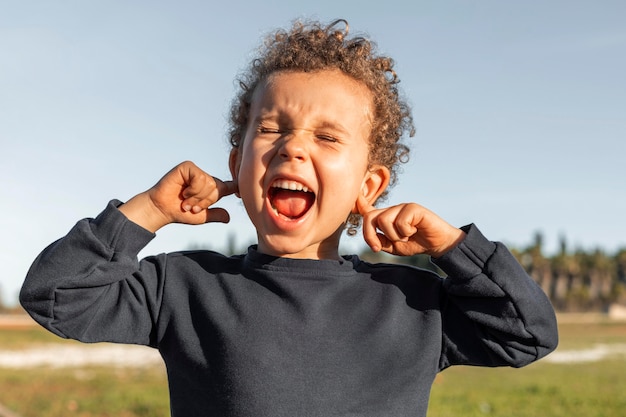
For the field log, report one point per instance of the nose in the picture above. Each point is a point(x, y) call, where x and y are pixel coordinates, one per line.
point(293, 146)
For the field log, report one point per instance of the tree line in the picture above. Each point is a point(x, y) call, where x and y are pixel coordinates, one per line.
point(576, 281)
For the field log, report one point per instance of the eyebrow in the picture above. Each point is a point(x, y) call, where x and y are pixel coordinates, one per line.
point(275, 116)
point(265, 116)
point(334, 126)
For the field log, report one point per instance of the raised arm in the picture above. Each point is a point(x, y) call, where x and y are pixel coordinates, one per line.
point(493, 313)
point(184, 195)
point(90, 286)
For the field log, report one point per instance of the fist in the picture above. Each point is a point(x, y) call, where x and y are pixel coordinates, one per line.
point(184, 195)
point(407, 229)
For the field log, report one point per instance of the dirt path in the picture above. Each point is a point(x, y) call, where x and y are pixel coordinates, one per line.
point(72, 355)
point(81, 355)
point(598, 352)
point(5, 412)
point(16, 321)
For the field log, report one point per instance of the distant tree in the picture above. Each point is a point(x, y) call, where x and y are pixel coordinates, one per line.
point(537, 266)
point(232, 247)
point(619, 287)
point(231, 244)
point(3, 307)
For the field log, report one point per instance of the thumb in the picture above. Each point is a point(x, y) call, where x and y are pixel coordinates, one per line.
point(217, 215)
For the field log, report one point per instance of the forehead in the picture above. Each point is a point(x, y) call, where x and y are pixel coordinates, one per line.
point(321, 92)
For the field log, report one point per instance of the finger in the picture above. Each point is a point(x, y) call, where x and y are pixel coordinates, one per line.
point(363, 206)
point(198, 186)
point(370, 234)
point(387, 245)
point(386, 223)
point(217, 215)
point(226, 188)
point(217, 189)
point(402, 248)
point(200, 216)
point(205, 191)
point(389, 230)
point(408, 219)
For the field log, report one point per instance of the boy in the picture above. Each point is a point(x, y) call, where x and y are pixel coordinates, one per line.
point(291, 328)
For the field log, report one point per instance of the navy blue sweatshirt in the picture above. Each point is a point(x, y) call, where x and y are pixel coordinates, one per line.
point(255, 335)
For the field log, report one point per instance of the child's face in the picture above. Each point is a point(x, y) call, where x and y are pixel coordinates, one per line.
point(304, 160)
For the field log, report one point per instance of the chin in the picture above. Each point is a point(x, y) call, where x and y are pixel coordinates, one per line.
point(299, 247)
point(286, 249)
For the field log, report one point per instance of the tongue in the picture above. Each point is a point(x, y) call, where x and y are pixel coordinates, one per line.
point(291, 203)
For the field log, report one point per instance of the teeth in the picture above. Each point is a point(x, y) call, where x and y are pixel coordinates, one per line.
point(290, 185)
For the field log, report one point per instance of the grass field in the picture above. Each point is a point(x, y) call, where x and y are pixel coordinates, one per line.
point(591, 386)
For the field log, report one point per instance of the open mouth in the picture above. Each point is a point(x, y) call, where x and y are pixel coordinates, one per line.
point(290, 199)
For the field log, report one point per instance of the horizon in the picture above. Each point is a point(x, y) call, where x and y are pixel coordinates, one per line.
point(520, 112)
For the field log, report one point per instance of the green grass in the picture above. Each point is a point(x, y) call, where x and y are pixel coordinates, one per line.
point(18, 338)
point(543, 389)
point(85, 392)
point(540, 390)
point(582, 335)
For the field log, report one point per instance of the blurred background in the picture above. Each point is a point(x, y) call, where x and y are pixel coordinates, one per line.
point(520, 110)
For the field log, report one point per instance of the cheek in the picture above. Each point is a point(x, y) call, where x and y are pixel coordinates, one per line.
point(251, 174)
point(343, 180)
point(257, 153)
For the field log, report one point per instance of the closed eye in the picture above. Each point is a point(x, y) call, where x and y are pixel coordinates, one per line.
point(263, 129)
point(327, 138)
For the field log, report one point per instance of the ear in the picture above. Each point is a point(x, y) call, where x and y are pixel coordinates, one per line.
point(234, 164)
point(374, 184)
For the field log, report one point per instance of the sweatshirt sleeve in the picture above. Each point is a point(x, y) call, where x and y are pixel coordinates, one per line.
point(90, 286)
point(493, 314)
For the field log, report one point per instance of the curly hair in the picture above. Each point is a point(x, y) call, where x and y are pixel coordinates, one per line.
point(310, 47)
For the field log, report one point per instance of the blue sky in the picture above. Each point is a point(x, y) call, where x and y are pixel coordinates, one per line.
point(520, 109)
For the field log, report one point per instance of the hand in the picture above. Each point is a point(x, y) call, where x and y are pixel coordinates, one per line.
point(183, 195)
point(407, 229)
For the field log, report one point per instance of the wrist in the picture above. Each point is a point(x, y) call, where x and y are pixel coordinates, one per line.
point(456, 237)
point(141, 210)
